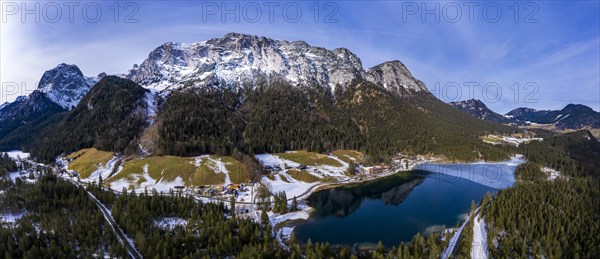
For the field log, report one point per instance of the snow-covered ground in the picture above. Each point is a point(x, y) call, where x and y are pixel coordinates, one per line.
point(284, 232)
point(274, 161)
point(151, 107)
point(170, 223)
point(510, 140)
point(293, 187)
point(11, 217)
point(302, 213)
point(104, 170)
point(146, 182)
point(500, 175)
point(552, 174)
point(16, 154)
point(24, 175)
point(479, 248)
point(216, 165)
point(453, 241)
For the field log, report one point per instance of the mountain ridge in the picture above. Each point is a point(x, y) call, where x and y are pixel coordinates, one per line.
point(572, 116)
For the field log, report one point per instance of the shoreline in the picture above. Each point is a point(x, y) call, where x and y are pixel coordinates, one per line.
point(289, 225)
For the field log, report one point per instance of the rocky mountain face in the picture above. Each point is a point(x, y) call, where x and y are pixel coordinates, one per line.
point(60, 89)
point(395, 77)
point(65, 85)
point(241, 60)
point(238, 59)
point(528, 115)
point(478, 109)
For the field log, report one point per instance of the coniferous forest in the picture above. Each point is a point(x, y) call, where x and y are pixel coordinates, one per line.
point(553, 219)
point(274, 116)
point(57, 220)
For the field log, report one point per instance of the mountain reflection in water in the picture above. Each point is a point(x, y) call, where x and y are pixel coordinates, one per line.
point(342, 201)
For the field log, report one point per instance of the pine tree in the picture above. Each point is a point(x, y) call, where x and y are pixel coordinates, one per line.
point(294, 204)
point(232, 206)
point(264, 218)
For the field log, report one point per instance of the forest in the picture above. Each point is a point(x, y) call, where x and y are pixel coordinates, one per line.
point(57, 220)
point(573, 154)
point(275, 116)
point(7, 165)
point(553, 219)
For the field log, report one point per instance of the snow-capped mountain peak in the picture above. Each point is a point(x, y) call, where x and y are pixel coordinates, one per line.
point(65, 85)
point(236, 59)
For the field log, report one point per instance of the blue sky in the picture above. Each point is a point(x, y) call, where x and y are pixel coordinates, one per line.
point(544, 56)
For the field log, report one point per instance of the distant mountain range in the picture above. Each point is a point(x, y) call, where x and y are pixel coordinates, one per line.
point(573, 116)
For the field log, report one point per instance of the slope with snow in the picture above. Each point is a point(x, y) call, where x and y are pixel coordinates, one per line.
point(282, 181)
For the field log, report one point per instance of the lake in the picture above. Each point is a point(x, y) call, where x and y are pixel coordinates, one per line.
point(395, 208)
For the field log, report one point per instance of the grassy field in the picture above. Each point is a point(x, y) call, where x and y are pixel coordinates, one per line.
point(168, 168)
point(303, 176)
point(349, 156)
point(491, 139)
point(309, 158)
point(86, 161)
point(237, 170)
point(596, 133)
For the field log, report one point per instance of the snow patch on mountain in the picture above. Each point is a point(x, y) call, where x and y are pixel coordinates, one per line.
point(151, 100)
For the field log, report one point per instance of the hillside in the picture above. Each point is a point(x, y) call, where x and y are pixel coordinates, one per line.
point(573, 116)
point(109, 118)
point(478, 109)
point(573, 154)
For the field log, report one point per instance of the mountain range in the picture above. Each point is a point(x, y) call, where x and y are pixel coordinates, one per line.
point(242, 94)
point(572, 116)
